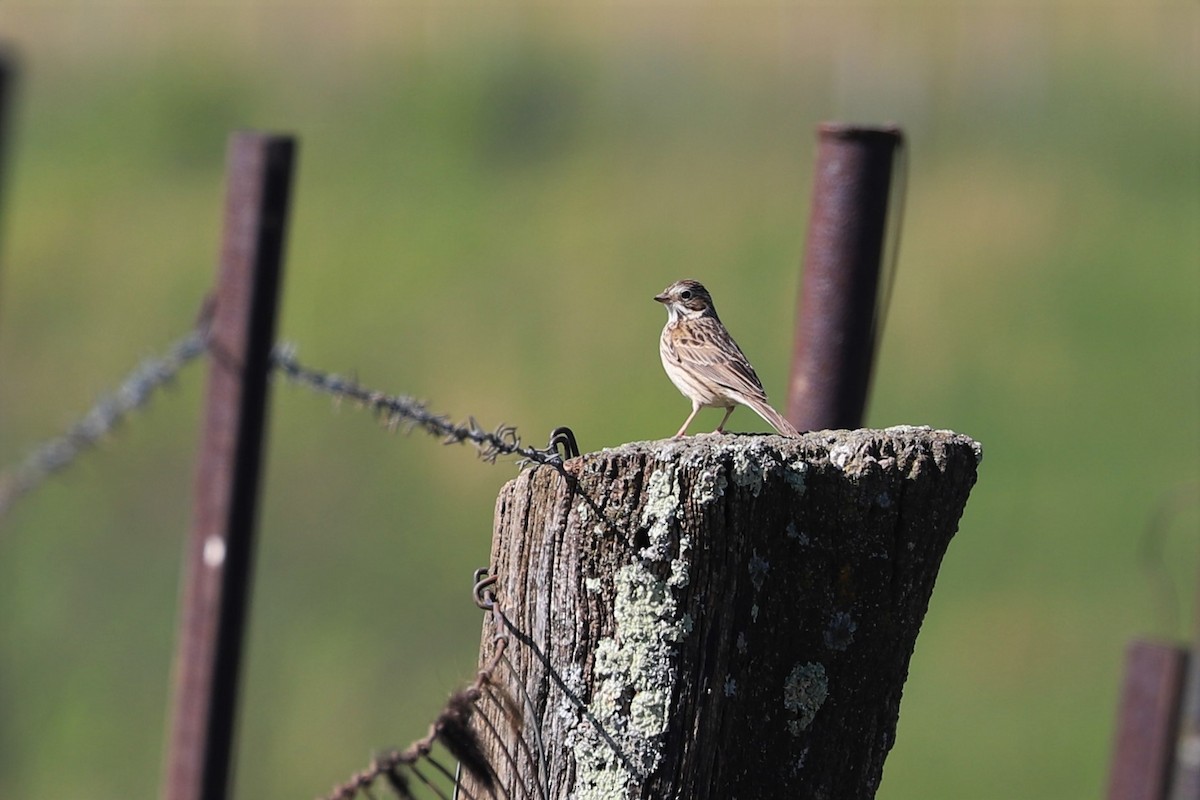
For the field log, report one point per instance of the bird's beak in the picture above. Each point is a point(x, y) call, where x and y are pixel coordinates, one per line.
point(662, 298)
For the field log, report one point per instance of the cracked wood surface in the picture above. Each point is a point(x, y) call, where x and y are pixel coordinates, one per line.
point(720, 616)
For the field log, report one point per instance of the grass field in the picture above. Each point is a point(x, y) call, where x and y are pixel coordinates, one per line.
point(487, 199)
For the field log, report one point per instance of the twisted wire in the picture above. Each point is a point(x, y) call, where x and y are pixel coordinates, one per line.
point(152, 374)
point(133, 393)
point(485, 712)
point(407, 413)
point(452, 729)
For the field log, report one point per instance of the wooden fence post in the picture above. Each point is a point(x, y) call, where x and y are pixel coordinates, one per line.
point(221, 542)
point(719, 616)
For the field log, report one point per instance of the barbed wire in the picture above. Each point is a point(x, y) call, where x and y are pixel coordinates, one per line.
point(483, 727)
point(133, 393)
point(467, 720)
point(401, 770)
point(402, 412)
point(151, 374)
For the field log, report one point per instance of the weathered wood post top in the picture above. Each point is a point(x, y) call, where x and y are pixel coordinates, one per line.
point(720, 616)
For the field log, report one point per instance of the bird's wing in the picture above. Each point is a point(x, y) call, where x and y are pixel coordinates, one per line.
point(704, 346)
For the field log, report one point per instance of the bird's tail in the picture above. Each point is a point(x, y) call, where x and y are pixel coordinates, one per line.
point(773, 417)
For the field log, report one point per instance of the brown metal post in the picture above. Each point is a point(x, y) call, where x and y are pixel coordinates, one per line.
point(220, 544)
point(8, 83)
point(1146, 720)
point(1185, 776)
point(835, 320)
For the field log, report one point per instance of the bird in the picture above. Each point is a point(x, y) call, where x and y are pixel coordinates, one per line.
point(705, 363)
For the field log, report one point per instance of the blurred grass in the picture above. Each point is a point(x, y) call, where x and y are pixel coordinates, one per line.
point(485, 204)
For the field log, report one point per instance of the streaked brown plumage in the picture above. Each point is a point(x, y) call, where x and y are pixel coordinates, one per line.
point(705, 363)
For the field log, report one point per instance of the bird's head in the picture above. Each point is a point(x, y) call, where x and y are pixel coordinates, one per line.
point(687, 300)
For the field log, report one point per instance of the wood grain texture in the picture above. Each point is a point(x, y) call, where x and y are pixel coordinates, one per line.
point(721, 616)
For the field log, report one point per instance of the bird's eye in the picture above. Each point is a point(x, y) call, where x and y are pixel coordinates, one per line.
point(686, 294)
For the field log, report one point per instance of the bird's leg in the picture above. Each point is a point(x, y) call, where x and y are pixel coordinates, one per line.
point(721, 427)
point(688, 421)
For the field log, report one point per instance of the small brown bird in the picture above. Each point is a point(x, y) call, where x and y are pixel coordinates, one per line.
point(705, 363)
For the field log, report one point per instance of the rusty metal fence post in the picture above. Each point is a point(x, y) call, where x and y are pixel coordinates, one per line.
point(1146, 722)
point(8, 85)
point(1185, 776)
point(221, 542)
point(836, 312)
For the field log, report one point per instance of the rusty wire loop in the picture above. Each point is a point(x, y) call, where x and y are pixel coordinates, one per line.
point(481, 591)
point(565, 437)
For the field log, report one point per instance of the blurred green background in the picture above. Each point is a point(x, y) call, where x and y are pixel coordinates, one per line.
point(488, 196)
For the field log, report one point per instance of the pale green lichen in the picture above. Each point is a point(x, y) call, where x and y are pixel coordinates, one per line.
point(572, 678)
point(792, 532)
point(679, 566)
point(747, 470)
point(752, 463)
point(670, 451)
point(839, 634)
point(635, 670)
point(635, 667)
point(795, 472)
point(648, 712)
point(660, 512)
point(599, 776)
point(804, 693)
point(840, 456)
point(679, 574)
point(709, 485)
point(798, 761)
point(758, 567)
